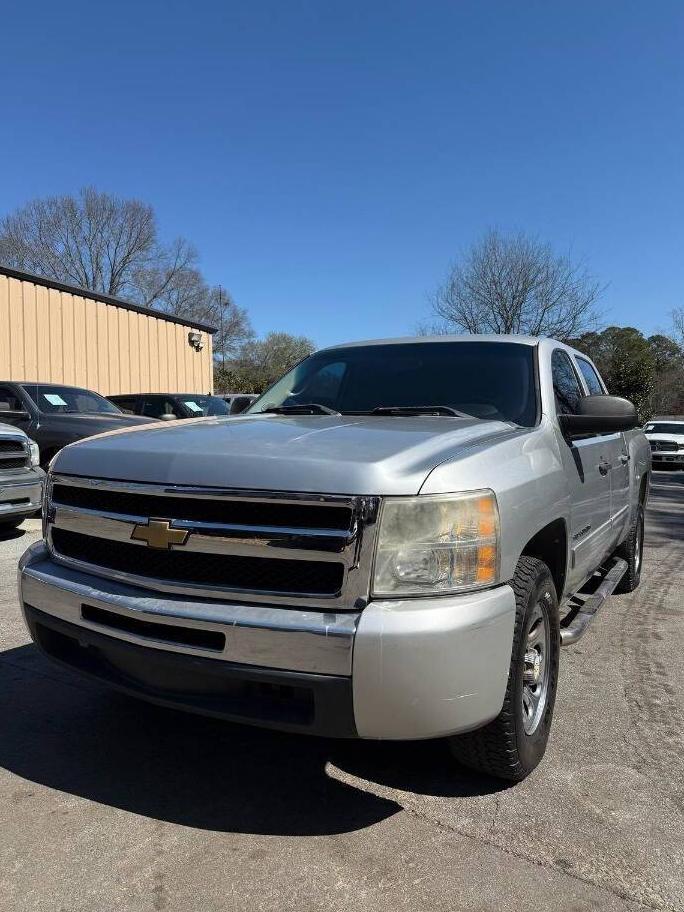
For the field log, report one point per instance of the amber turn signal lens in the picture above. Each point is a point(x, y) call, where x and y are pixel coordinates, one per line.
point(486, 517)
point(486, 564)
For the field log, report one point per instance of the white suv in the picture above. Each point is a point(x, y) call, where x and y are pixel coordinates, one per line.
point(666, 437)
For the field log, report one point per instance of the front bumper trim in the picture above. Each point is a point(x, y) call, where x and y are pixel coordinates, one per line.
point(317, 642)
point(267, 697)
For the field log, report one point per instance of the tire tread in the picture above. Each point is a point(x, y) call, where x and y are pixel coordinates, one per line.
point(493, 749)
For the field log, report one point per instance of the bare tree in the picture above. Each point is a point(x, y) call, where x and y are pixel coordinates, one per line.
point(517, 284)
point(93, 240)
point(110, 245)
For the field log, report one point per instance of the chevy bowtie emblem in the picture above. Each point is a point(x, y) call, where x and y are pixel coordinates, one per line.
point(157, 533)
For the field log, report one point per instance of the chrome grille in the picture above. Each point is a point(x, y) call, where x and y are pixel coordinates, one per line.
point(13, 455)
point(247, 545)
point(664, 446)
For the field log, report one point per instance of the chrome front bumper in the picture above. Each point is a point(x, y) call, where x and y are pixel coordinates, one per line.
point(22, 493)
point(309, 641)
point(417, 668)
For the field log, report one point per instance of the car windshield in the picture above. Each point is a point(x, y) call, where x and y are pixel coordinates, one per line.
point(484, 379)
point(664, 427)
point(55, 400)
point(205, 406)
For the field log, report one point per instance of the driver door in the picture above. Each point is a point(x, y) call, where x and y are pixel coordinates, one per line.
point(587, 464)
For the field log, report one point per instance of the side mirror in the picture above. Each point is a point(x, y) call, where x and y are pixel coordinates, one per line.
point(599, 415)
point(167, 416)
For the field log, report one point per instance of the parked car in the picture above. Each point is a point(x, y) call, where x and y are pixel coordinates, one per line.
point(391, 544)
point(55, 415)
point(21, 478)
point(238, 402)
point(171, 406)
point(666, 439)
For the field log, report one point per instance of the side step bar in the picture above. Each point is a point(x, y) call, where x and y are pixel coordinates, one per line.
point(580, 621)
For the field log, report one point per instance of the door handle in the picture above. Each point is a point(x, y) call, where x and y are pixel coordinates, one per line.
point(604, 467)
point(624, 458)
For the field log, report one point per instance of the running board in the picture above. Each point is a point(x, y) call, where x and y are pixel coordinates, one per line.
point(577, 626)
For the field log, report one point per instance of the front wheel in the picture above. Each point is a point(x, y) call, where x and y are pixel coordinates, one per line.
point(512, 745)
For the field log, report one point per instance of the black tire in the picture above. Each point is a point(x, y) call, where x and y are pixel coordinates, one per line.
point(632, 550)
point(503, 748)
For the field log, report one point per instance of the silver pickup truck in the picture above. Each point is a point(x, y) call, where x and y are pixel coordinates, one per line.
point(392, 543)
point(21, 478)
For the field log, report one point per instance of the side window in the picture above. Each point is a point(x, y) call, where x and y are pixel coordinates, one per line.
point(126, 404)
point(9, 401)
point(590, 377)
point(239, 404)
point(566, 387)
point(156, 406)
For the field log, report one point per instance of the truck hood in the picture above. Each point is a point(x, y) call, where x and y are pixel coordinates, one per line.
point(326, 454)
point(8, 430)
point(86, 424)
point(679, 437)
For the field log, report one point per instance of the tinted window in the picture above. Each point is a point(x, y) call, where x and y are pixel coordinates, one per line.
point(204, 406)
point(590, 377)
point(156, 406)
point(63, 400)
point(566, 386)
point(485, 379)
point(240, 403)
point(9, 401)
point(126, 404)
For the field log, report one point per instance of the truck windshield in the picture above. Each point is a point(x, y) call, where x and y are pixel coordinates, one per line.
point(55, 400)
point(664, 427)
point(484, 379)
point(207, 406)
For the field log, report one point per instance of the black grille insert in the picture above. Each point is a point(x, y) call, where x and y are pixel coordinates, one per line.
point(11, 446)
point(238, 512)
point(168, 633)
point(12, 462)
point(224, 571)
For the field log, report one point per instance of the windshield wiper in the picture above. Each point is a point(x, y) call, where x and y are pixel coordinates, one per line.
point(435, 410)
point(309, 408)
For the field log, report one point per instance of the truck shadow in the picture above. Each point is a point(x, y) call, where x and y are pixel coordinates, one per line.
point(77, 737)
point(10, 533)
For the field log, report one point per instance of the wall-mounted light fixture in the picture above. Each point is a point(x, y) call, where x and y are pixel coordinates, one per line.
point(195, 340)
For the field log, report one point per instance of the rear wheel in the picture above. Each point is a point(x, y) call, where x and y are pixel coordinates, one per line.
point(512, 745)
point(632, 550)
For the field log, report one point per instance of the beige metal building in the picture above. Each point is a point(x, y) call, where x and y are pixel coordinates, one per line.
point(56, 333)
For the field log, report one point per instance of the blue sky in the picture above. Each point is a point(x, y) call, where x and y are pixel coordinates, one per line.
point(329, 160)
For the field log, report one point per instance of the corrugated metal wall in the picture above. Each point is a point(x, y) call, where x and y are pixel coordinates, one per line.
point(50, 335)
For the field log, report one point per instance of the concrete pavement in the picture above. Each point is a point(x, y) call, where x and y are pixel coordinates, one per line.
point(109, 804)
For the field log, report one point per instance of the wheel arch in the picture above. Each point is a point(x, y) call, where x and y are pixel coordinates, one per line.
point(550, 545)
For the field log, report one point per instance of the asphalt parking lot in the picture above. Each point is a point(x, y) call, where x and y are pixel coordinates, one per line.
point(110, 804)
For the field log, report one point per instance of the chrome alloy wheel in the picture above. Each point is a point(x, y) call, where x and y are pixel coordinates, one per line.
point(638, 547)
point(535, 672)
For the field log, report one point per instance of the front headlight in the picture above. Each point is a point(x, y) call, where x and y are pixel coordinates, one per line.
point(35, 453)
point(436, 544)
